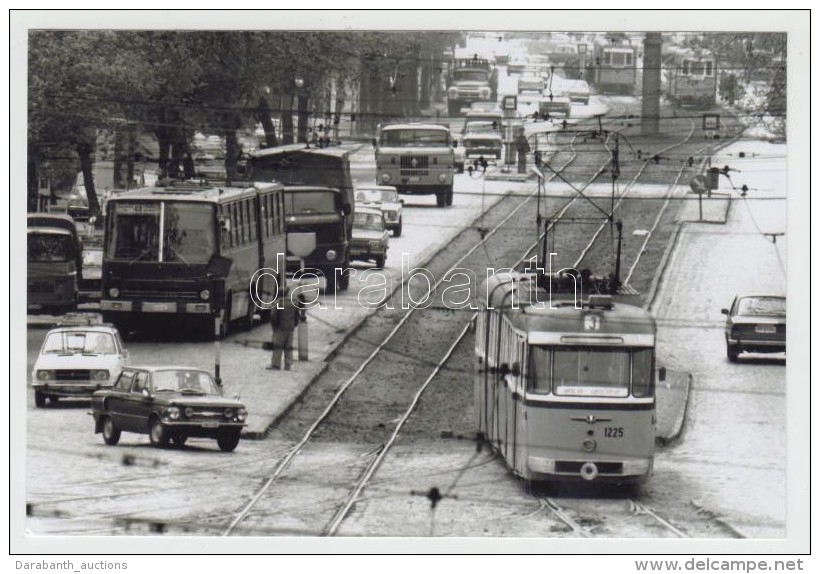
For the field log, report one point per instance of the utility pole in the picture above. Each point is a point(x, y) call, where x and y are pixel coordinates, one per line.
point(651, 101)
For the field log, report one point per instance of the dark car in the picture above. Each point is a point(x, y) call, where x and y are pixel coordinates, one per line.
point(370, 237)
point(169, 404)
point(755, 324)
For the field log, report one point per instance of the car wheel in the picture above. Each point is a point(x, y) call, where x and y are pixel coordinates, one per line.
point(227, 440)
point(39, 399)
point(732, 352)
point(110, 432)
point(397, 229)
point(380, 261)
point(179, 439)
point(157, 433)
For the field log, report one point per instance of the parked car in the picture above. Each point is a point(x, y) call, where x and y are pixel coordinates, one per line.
point(370, 237)
point(169, 404)
point(578, 91)
point(756, 324)
point(386, 198)
point(78, 357)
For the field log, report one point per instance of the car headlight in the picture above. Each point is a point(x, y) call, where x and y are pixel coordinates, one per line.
point(229, 413)
point(204, 294)
point(189, 412)
point(114, 292)
point(331, 254)
point(100, 375)
point(173, 413)
point(241, 414)
point(442, 177)
point(45, 375)
point(385, 177)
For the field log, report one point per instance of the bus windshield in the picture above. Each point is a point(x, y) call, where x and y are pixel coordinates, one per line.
point(49, 248)
point(187, 234)
point(308, 202)
point(591, 371)
point(414, 138)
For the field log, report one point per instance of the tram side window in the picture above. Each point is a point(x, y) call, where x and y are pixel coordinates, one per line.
point(540, 369)
point(642, 374)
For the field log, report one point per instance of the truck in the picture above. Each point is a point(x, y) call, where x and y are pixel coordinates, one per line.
point(416, 158)
point(471, 80)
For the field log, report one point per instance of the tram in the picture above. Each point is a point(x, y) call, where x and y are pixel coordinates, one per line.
point(690, 77)
point(565, 381)
point(614, 69)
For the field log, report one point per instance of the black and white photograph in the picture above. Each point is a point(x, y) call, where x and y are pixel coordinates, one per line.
point(410, 282)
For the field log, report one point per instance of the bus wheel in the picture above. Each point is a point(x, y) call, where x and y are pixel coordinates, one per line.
point(39, 399)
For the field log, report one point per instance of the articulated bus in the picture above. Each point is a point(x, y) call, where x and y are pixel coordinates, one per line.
point(565, 387)
point(54, 263)
point(185, 252)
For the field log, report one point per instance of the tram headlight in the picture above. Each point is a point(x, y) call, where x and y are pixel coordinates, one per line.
point(385, 177)
point(173, 413)
point(114, 292)
point(442, 177)
point(331, 255)
point(204, 294)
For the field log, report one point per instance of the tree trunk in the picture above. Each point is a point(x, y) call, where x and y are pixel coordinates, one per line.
point(426, 83)
point(119, 155)
point(33, 198)
point(129, 165)
point(302, 117)
point(264, 116)
point(287, 119)
point(84, 150)
point(231, 155)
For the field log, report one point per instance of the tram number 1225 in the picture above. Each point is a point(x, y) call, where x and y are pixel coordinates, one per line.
point(614, 432)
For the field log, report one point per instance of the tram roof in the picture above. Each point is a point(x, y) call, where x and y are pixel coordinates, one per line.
point(534, 312)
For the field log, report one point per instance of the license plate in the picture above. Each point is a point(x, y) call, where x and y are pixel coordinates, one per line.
point(413, 179)
point(210, 425)
point(768, 329)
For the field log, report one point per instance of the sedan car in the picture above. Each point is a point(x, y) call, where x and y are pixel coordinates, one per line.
point(370, 236)
point(386, 198)
point(78, 357)
point(757, 324)
point(169, 404)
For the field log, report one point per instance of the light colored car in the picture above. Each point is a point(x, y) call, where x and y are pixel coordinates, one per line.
point(77, 359)
point(548, 107)
point(482, 137)
point(486, 107)
point(370, 237)
point(756, 324)
point(386, 198)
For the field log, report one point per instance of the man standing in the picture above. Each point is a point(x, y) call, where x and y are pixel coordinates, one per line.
point(522, 146)
point(284, 318)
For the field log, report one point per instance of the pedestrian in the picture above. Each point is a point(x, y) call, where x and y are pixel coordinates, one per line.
point(284, 318)
point(522, 146)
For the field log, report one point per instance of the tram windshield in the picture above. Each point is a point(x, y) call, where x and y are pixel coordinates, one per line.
point(591, 372)
point(187, 234)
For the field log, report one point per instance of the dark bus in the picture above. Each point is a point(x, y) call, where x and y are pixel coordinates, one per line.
point(54, 263)
point(188, 251)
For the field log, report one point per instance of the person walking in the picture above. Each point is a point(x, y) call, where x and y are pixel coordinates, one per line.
point(284, 318)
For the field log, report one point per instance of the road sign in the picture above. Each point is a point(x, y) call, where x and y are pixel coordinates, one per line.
point(711, 121)
point(699, 184)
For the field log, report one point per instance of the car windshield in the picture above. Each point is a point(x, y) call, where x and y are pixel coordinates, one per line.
point(415, 138)
point(376, 196)
point(184, 381)
point(766, 306)
point(88, 343)
point(368, 221)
